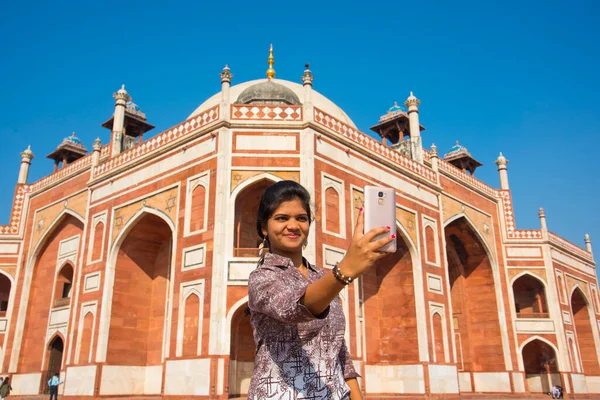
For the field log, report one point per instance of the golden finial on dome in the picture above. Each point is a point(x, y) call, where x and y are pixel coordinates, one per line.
point(271, 71)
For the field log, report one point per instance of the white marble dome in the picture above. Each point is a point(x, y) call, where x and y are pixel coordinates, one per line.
point(318, 100)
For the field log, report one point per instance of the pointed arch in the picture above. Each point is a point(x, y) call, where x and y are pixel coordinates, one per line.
point(473, 227)
point(106, 308)
point(191, 325)
point(469, 254)
point(6, 300)
point(244, 240)
point(55, 223)
point(583, 294)
point(529, 300)
point(586, 330)
point(539, 359)
point(241, 350)
point(78, 223)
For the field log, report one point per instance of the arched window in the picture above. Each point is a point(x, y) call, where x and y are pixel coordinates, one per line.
point(5, 286)
point(438, 338)
point(246, 239)
point(198, 207)
point(584, 332)
point(430, 244)
point(64, 285)
point(98, 239)
point(190, 326)
point(332, 210)
point(86, 338)
point(561, 288)
point(530, 298)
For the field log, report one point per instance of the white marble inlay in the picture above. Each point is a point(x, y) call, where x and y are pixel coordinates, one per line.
point(266, 142)
point(188, 377)
point(80, 381)
point(491, 381)
point(394, 379)
point(443, 379)
point(9, 248)
point(524, 252)
point(534, 325)
point(26, 384)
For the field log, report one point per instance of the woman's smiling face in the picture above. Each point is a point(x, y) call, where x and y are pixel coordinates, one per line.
point(287, 229)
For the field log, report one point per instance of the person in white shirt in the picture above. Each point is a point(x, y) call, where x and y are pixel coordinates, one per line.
point(53, 383)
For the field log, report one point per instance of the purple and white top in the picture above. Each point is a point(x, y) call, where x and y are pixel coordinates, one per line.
point(298, 355)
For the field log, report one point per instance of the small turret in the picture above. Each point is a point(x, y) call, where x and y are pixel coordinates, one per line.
point(26, 157)
point(69, 150)
point(460, 157)
point(127, 124)
point(501, 163)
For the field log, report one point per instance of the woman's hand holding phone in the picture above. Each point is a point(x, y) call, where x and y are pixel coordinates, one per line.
point(363, 251)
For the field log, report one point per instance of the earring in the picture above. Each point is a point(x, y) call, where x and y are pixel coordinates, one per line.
point(305, 245)
point(261, 247)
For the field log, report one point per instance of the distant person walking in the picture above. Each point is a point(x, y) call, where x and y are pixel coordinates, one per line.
point(5, 388)
point(53, 383)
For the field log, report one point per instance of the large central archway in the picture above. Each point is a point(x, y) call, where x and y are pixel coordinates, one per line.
point(584, 333)
point(390, 309)
point(474, 304)
point(137, 321)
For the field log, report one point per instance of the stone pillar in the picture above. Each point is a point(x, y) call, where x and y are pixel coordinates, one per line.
point(412, 103)
point(501, 163)
point(544, 227)
point(26, 158)
point(307, 82)
point(588, 244)
point(226, 77)
point(96, 154)
point(121, 97)
point(434, 158)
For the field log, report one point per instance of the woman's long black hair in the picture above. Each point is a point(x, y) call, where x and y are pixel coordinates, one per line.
point(276, 194)
point(270, 201)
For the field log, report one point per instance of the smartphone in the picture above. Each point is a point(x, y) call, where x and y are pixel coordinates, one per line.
point(380, 210)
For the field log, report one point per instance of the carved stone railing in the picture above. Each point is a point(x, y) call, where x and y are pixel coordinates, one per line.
point(371, 144)
point(266, 112)
point(241, 252)
point(571, 247)
point(466, 178)
point(533, 315)
point(12, 228)
point(65, 301)
point(159, 141)
point(66, 171)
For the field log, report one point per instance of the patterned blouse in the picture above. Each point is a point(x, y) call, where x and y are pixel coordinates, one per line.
point(298, 355)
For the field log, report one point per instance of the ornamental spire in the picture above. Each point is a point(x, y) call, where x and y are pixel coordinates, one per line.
point(271, 71)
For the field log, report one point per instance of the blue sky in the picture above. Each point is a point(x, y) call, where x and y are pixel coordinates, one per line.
point(517, 77)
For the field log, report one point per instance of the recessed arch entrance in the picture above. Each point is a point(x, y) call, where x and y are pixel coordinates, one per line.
point(55, 352)
point(584, 333)
point(142, 261)
point(40, 275)
point(246, 240)
point(541, 366)
point(390, 308)
point(478, 336)
point(241, 352)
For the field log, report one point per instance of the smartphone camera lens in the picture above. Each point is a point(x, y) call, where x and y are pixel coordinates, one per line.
point(380, 194)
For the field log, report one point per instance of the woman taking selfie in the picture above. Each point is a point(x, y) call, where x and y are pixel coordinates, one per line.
point(296, 313)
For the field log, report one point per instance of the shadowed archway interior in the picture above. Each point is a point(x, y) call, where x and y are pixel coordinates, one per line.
point(474, 305)
point(140, 293)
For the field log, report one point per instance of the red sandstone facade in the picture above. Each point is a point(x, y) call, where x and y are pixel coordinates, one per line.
point(126, 270)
